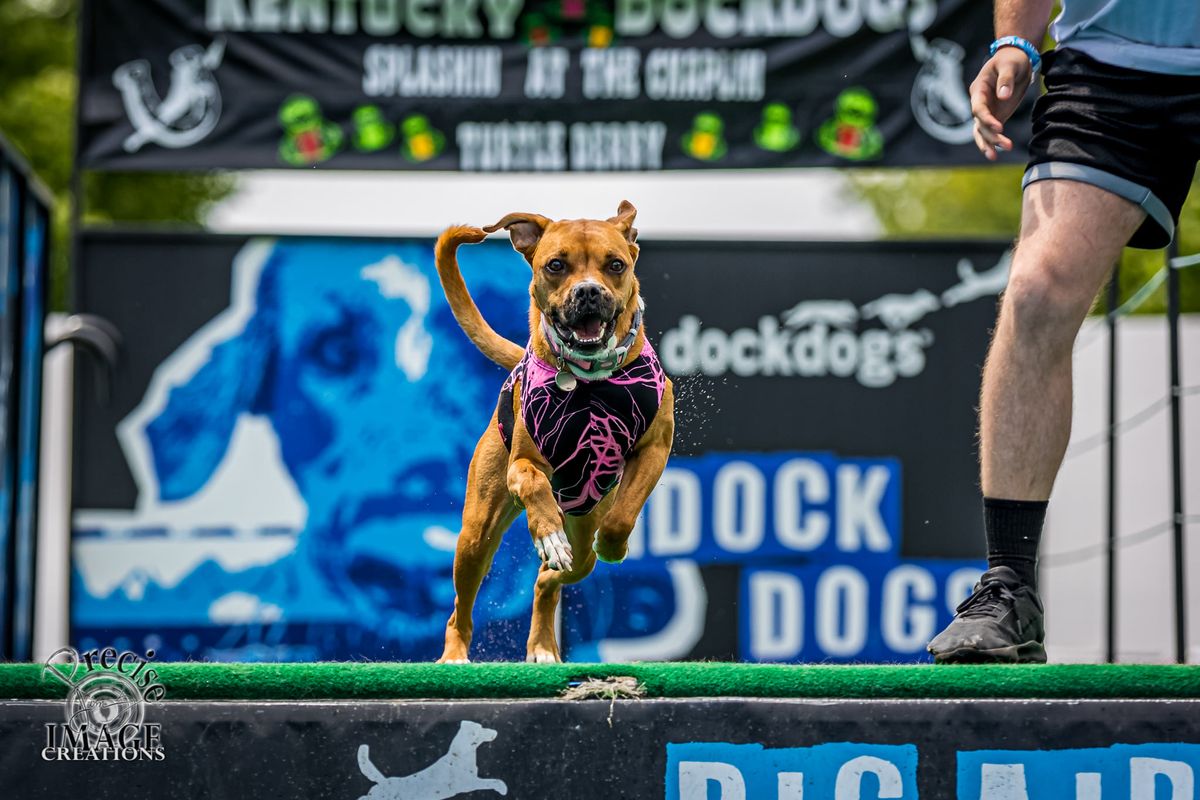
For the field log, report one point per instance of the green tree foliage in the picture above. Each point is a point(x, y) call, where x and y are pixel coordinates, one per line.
point(38, 89)
point(985, 201)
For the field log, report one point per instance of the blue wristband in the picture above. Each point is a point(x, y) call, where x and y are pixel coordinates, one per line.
point(1035, 58)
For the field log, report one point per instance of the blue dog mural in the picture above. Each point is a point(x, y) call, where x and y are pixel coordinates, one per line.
point(350, 354)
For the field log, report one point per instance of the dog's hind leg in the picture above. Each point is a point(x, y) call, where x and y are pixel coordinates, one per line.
point(543, 644)
point(487, 513)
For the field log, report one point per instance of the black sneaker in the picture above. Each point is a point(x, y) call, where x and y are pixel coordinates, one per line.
point(1002, 621)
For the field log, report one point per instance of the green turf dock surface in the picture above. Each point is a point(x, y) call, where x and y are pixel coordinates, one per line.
point(368, 680)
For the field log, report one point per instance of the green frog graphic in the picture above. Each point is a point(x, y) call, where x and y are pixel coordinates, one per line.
point(422, 141)
point(851, 133)
point(372, 132)
point(706, 140)
point(776, 131)
point(308, 138)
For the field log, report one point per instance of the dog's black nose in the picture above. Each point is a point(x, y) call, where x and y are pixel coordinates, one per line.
point(589, 295)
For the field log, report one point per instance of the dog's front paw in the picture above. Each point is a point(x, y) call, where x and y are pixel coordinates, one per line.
point(542, 655)
point(554, 550)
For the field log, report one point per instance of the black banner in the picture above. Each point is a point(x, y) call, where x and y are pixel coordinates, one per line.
point(633, 750)
point(860, 349)
point(530, 85)
point(280, 469)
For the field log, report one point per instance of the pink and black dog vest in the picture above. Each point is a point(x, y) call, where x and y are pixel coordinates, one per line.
point(585, 434)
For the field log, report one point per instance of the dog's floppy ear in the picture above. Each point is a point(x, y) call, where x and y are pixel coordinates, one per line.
point(623, 221)
point(189, 437)
point(525, 230)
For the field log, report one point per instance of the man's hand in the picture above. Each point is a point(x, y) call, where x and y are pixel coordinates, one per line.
point(995, 95)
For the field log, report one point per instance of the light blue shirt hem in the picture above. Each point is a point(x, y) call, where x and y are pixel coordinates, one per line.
point(1135, 55)
point(1161, 36)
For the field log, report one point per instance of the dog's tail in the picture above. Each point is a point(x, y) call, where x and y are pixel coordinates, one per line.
point(369, 770)
point(490, 343)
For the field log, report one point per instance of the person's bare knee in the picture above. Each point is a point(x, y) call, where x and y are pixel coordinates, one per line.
point(1047, 297)
point(1071, 237)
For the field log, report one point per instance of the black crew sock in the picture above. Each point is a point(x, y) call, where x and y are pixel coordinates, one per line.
point(1014, 529)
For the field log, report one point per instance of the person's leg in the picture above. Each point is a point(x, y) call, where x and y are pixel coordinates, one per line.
point(1071, 237)
point(1072, 234)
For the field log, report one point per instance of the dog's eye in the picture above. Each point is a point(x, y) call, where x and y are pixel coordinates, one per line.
point(336, 352)
point(555, 265)
point(616, 265)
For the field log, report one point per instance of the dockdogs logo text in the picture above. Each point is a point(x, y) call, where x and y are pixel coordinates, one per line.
point(107, 693)
point(826, 338)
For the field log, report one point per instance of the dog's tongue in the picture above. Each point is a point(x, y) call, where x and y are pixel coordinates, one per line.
point(589, 328)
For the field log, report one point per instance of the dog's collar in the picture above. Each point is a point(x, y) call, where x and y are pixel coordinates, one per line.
point(593, 366)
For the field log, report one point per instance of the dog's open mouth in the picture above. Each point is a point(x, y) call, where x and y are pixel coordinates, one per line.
point(588, 333)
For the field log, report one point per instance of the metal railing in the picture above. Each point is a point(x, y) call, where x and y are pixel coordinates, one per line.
point(1170, 402)
point(24, 244)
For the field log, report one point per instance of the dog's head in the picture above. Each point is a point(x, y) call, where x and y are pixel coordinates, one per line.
point(338, 352)
point(583, 278)
point(474, 733)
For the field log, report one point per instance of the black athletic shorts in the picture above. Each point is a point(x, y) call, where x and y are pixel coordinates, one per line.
point(1135, 134)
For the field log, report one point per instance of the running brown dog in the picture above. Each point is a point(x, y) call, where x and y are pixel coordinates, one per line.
point(585, 421)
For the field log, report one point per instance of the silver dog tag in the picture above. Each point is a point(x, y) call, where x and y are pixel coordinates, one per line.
point(565, 379)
